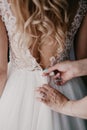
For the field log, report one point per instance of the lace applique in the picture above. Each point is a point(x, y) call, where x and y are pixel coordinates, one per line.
point(71, 34)
point(20, 57)
point(74, 27)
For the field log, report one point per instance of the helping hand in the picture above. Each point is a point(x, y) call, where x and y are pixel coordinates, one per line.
point(63, 71)
point(51, 97)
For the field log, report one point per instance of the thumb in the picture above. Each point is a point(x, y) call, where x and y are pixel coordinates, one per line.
point(66, 77)
point(50, 69)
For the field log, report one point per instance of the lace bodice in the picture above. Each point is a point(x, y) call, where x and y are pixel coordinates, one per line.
point(20, 56)
point(74, 28)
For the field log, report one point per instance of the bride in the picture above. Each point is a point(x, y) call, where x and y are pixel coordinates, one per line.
point(40, 34)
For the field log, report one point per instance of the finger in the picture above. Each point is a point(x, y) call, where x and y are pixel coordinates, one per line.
point(41, 100)
point(62, 82)
point(58, 83)
point(47, 87)
point(38, 89)
point(66, 76)
point(56, 76)
point(42, 92)
point(49, 70)
point(42, 89)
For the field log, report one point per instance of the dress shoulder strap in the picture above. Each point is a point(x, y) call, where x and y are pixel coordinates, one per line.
point(75, 25)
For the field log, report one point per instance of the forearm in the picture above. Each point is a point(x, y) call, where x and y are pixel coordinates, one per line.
point(80, 68)
point(76, 108)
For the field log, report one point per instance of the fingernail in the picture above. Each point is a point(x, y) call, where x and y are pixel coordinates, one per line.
point(51, 74)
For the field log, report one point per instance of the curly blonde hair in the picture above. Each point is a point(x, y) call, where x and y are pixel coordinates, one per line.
point(41, 19)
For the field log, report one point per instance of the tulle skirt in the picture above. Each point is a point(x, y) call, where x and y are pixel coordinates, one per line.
point(19, 109)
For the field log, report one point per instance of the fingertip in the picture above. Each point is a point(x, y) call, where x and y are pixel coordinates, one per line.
point(48, 70)
point(41, 100)
point(38, 88)
point(45, 74)
point(62, 82)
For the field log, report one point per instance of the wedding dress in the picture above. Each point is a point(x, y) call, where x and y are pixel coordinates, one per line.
point(19, 109)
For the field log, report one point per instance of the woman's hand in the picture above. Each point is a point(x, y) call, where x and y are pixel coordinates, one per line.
point(65, 70)
point(51, 97)
point(59, 103)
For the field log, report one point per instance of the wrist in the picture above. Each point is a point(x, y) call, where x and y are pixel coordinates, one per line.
point(76, 69)
point(67, 108)
point(80, 67)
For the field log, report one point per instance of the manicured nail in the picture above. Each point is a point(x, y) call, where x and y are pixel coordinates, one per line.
point(51, 74)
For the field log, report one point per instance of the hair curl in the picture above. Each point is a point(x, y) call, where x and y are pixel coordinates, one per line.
point(41, 19)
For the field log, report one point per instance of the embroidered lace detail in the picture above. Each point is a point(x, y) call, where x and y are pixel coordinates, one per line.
point(20, 56)
point(74, 27)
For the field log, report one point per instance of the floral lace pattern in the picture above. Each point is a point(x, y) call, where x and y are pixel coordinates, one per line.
point(74, 28)
point(20, 57)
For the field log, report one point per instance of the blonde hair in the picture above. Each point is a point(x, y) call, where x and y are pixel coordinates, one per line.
point(41, 19)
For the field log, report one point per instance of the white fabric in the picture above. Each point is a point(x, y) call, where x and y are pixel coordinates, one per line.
point(19, 109)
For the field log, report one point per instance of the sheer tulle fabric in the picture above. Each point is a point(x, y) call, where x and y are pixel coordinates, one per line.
point(19, 109)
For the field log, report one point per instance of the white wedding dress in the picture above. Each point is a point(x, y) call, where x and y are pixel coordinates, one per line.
point(19, 109)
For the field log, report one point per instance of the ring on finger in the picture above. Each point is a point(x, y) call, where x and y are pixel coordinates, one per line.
point(43, 95)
